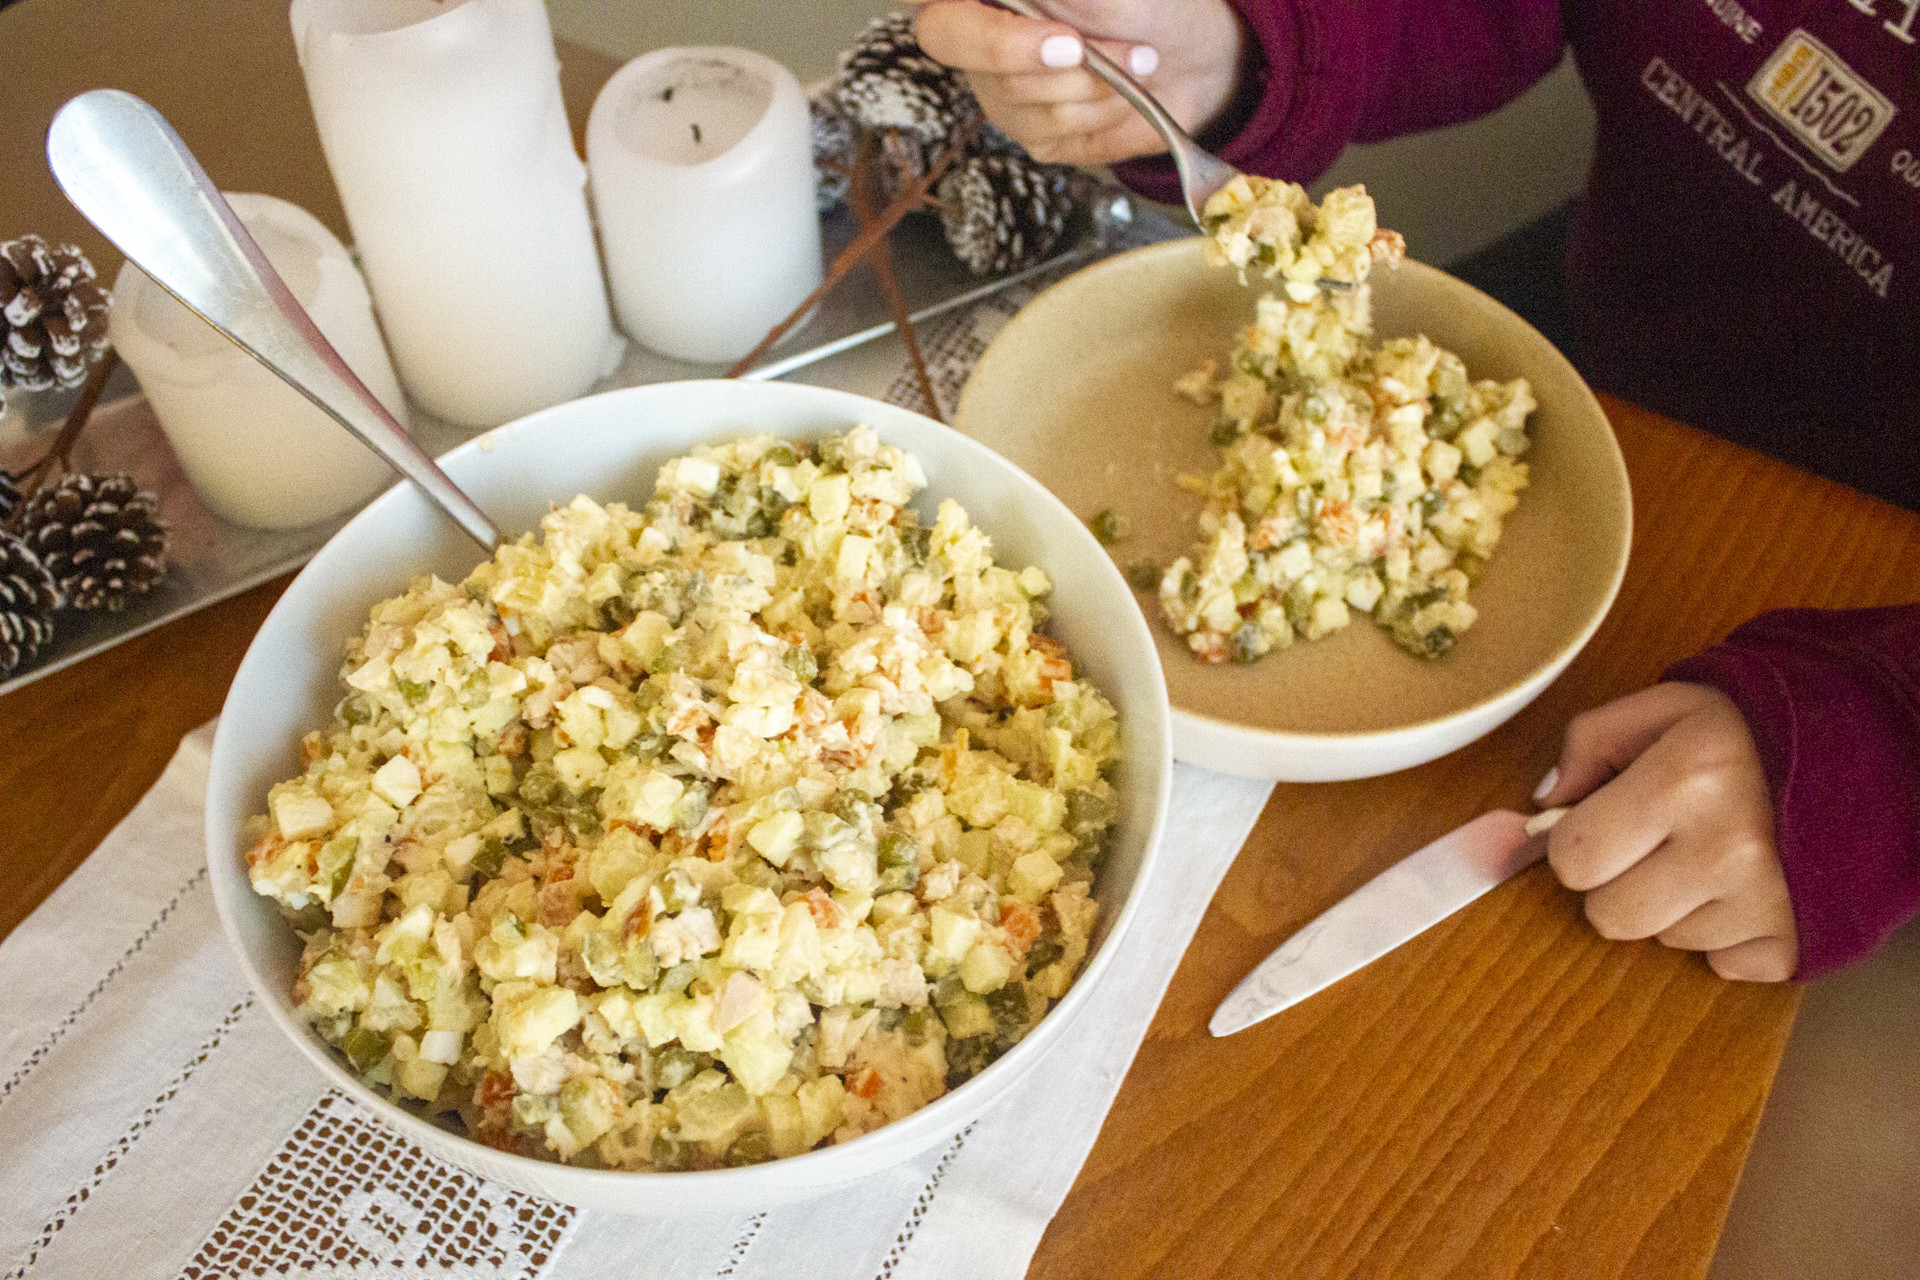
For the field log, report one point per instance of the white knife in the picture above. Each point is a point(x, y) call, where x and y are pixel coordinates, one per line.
point(1395, 906)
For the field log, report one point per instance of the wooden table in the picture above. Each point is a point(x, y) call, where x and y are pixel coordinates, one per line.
point(1507, 1095)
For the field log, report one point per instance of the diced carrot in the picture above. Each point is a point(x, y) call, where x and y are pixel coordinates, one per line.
point(865, 1083)
point(1022, 924)
point(825, 912)
point(494, 1088)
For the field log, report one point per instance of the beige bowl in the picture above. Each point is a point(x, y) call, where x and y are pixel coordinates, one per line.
point(1075, 390)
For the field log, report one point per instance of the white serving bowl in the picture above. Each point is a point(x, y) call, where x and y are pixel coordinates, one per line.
point(610, 446)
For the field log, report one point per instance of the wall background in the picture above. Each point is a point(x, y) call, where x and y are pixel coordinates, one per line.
point(1450, 191)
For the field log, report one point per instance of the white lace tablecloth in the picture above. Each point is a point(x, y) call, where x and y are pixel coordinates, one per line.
point(155, 1123)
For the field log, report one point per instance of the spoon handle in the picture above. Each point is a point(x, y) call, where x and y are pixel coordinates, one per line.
point(128, 173)
point(1201, 172)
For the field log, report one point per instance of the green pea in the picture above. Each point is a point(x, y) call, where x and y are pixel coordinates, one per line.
point(781, 455)
point(1109, 526)
point(831, 452)
point(1224, 433)
point(413, 690)
point(1432, 502)
point(356, 709)
point(1144, 575)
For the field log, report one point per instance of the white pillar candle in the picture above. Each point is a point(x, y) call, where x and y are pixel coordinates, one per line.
point(443, 126)
point(257, 451)
point(702, 169)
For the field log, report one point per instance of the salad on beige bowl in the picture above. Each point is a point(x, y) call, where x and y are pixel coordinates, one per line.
point(748, 826)
point(1370, 512)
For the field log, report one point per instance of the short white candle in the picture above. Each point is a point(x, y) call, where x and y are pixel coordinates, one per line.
point(702, 168)
point(446, 135)
point(257, 451)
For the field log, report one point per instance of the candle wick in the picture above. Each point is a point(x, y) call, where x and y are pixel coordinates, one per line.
point(696, 133)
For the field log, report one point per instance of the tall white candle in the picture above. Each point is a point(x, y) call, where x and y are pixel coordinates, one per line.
point(702, 168)
point(444, 129)
point(257, 451)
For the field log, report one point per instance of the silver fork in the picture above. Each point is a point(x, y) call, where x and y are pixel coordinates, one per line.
point(1201, 172)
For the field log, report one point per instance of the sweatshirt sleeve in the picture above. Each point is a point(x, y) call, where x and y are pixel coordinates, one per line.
point(1322, 73)
point(1833, 702)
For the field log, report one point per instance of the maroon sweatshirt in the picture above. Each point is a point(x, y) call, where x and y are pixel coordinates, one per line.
point(1747, 259)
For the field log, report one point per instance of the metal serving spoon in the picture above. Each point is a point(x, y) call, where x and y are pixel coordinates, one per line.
point(1201, 172)
point(126, 170)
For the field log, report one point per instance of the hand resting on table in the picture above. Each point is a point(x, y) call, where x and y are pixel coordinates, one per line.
point(1670, 832)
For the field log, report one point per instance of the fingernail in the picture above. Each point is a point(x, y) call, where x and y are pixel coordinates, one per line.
point(1061, 51)
point(1143, 59)
point(1547, 784)
point(1544, 820)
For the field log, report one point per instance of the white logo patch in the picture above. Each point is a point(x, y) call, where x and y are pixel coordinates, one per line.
point(1822, 102)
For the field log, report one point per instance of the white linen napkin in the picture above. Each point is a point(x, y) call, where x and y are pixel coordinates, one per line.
point(155, 1123)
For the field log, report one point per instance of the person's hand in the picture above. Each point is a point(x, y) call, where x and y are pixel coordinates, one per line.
point(1031, 82)
point(1672, 833)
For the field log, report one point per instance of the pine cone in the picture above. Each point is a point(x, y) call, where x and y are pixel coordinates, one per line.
point(27, 602)
point(1003, 212)
point(53, 317)
point(9, 489)
point(99, 536)
point(886, 82)
point(833, 148)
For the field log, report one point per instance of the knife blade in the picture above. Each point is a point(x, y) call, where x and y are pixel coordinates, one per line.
point(1395, 906)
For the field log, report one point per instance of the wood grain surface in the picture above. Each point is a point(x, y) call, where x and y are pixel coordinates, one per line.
point(1508, 1094)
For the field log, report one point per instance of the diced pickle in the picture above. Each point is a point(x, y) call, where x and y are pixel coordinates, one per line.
point(898, 849)
point(801, 662)
point(673, 1067)
point(541, 787)
point(1043, 953)
point(1144, 575)
point(753, 1147)
point(968, 1058)
point(680, 977)
point(1009, 1006)
point(670, 1154)
point(1086, 810)
point(413, 690)
point(366, 1049)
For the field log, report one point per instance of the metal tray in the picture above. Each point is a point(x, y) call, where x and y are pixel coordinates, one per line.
point(212, 559)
